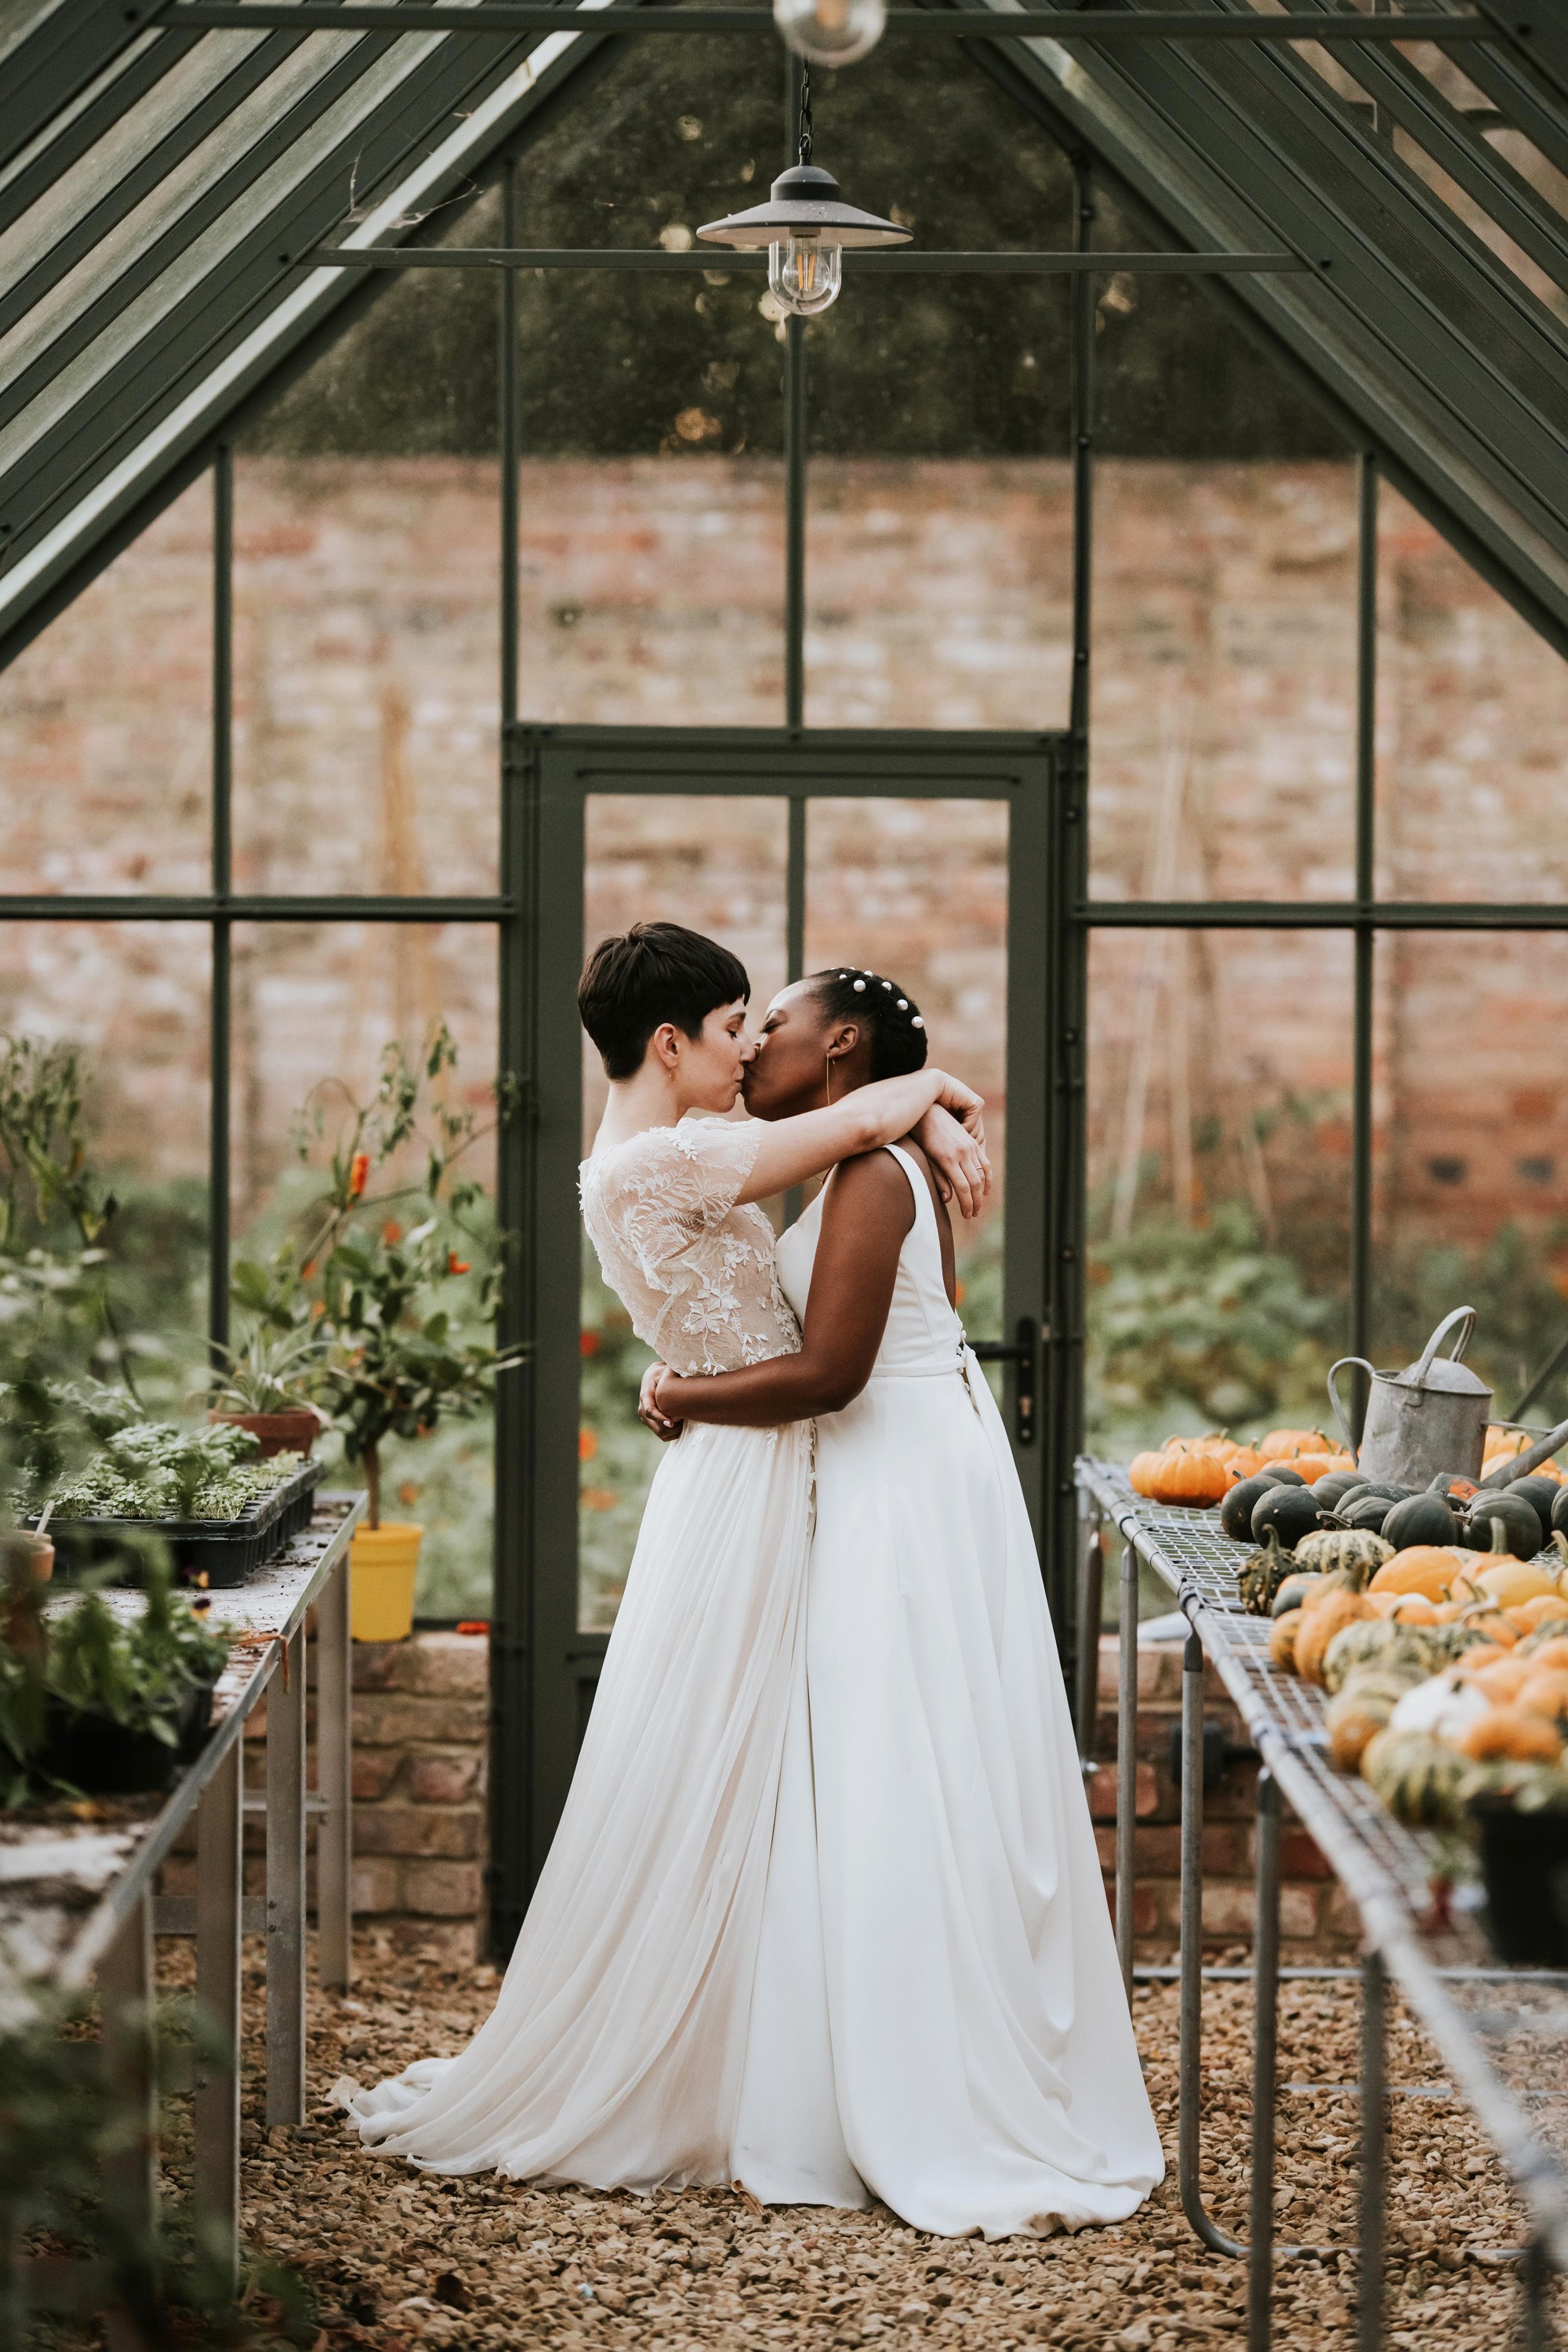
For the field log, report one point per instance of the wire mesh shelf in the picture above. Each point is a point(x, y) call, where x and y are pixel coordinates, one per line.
point(1503, 2032)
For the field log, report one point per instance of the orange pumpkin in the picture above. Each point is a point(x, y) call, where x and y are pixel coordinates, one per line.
point(1320, 1624)
point(1243, 1463)
point(1477, 1661)
point(1406, 1608)
point(1512, 1735)
point(1546, 1609)
point(1281, 1444)
point(1552, 1652)
point(1182, 1476)
point(1492, 1623)
point(1313, 1467)
point(1426, 1569)
point(1544, 1691)
point(1141, 1472)
point(1503, 1679)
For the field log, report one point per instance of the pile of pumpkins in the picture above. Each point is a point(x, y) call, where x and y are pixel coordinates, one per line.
point(1445, 1662)
point(1203, 1470)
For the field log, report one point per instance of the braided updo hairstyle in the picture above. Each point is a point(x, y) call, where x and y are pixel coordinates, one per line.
point(890, 1018)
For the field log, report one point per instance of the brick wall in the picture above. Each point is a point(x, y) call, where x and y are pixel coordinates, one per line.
point(1223, 747)
point(419, 1778)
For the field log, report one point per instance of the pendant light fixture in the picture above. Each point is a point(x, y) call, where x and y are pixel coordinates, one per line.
point(830, 32)
point(805, 226)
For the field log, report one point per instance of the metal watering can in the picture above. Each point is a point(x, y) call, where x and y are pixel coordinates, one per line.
point(1430, 1417)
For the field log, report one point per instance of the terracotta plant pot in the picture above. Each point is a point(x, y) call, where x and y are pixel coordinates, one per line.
point(279, 1433)
point(383, 1564)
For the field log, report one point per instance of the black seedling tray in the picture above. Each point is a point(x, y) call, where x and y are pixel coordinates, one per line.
point(225, 1551)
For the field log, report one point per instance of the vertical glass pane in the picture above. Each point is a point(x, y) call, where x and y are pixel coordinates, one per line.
point(918, 890)
point(1219, 1179)
point(315, 1003)
point(367, 640)
point(1224, 679)
point(939, 549)
point(133, 999)
point(1472, 714)
point(106, 723)
point(652, 492)
point(718, 864)
point(1471, 1197)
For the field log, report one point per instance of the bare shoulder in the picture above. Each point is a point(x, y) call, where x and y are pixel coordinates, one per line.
point(871, 1184)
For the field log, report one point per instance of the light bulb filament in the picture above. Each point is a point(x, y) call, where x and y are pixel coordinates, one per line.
point(804, 274)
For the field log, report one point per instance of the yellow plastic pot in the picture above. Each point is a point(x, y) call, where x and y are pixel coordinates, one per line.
point(383, 1564)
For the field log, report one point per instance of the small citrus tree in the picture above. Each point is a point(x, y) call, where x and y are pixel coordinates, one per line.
point(394, 1279)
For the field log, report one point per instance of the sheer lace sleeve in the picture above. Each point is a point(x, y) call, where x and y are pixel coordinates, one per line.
point(695, 1271)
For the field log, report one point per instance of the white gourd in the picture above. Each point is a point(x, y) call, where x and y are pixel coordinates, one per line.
point(1443, 1706)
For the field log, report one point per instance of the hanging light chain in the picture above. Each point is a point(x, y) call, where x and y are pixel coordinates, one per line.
point(805, 156)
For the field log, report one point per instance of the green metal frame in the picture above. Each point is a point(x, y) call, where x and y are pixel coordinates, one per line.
point(1304, 225)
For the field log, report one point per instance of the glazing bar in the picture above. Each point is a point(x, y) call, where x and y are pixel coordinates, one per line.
point(705, 260)
point(513, 16)
point(1365, 886)
point(220, 1028)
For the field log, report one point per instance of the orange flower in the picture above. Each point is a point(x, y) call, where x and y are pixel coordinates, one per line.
point(359, 1170)
point(307, 1269)
point(587, 1446)
point(456, 1264)
point(597, 1499)
point(588, 1343)
point(391, 1231)
point(408, 1492)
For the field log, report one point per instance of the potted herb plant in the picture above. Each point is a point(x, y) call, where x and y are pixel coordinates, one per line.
point(401, 1283)
point(264, 1388)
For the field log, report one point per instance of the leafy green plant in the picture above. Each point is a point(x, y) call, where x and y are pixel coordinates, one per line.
point(159, 1470)
point(396, 1303)
point(270, 1371)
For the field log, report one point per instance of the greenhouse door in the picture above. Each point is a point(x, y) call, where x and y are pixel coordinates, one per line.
point(941, 859)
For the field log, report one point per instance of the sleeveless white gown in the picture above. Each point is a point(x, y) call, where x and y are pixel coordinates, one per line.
point(984, 2068)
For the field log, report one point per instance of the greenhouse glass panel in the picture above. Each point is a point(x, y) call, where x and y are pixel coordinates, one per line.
point(652, 563)
point(1219, 1180)
point(314, 1008)
point(1472, 719)
point(367, 605)
point(1471, 1197)
point(131, 999)
point(106, 724)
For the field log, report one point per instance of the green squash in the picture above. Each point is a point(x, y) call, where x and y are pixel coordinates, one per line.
point(1260, 1577)
point(1289, 1511)
point(1420, 1519)
point(1352, 1547)
point(1235, 1509)
point(1499, 1521)
point(1373, 1642)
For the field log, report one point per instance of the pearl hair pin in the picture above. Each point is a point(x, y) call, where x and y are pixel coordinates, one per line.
point(917, 1022)
point(903, 1004)
point(859, 985)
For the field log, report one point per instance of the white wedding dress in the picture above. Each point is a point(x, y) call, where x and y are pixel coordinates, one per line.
point(616, 2050)
point(944, 2024)
point(984, 2068)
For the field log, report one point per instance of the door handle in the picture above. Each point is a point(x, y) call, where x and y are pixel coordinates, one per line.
point(1020, 1353)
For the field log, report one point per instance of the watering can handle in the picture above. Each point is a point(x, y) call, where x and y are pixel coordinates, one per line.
point(1466, 1315)
point(1334, 1395)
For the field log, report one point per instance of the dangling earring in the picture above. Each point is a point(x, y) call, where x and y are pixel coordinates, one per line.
point(827, 1073)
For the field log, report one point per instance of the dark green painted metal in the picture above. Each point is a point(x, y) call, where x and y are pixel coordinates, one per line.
point(62, 57)
point(1538, 34)
point(1324, 915)
point(242, 907)
point(1097, 25)
point(795, 397)
point(138, 75)
point(1365, 937)
point(562, 767)
point(121, 195)
point(221, 1028)
point(512, 1610)
point(656, 263)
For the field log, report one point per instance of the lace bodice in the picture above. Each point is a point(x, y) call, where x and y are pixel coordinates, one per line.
point(695, 1273)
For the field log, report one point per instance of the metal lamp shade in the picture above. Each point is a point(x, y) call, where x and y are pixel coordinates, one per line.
point(805, 202)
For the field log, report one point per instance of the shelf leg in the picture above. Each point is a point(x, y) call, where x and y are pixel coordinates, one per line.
point(220, 1826)
point(334, 1770)
point(286, 1888)
point(126, 1984)
point(1189, 2141)
point(1535, 2274)
point(1126, 1761)
point(1090, 1588)
point(1266, 2042)
point(1373, 2130)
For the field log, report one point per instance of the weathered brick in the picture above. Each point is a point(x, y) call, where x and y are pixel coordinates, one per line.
point(384, 1666)
point(394, 1719)
point(447, 1890)
point(451, 1830)
point(1299, 1909)
point(1227, 1908)
point(1102, 1792)
point(374, 1772)
point(377, 1886)
point(444, 1779)
point(454, 1663)
point(1301, 1856)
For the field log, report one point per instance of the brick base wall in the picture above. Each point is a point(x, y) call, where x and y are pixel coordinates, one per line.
point(420, 1780)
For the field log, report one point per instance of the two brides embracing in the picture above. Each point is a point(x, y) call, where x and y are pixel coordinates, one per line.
point(823, 1918)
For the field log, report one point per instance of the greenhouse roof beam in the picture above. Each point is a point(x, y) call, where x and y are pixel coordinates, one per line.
point(394, 19)
point(1450, 367)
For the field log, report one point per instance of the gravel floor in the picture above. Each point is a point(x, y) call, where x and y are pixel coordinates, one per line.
point(399, 2258)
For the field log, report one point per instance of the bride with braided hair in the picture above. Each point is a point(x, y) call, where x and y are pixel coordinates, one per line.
point(938, 2017)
